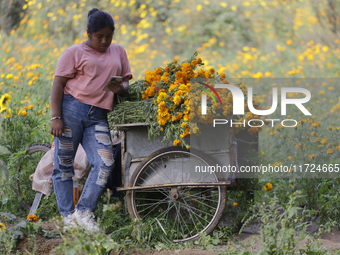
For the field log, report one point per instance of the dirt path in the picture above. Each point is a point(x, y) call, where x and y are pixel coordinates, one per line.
point(249, 238)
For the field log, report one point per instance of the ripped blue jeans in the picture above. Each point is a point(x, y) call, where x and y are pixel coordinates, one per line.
point(87, 125)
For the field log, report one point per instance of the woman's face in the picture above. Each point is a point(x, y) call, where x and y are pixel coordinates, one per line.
point(101, 39)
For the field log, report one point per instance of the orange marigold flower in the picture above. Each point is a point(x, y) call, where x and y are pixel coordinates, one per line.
point(268, 187)
point(177, 142)
point(235, 204)
point(32, 218)
point(184, 125)
point(316, 124)
point(23, 113)
point(177, 100)
point(330, 151)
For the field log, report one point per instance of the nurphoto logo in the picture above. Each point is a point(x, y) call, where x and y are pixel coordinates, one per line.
point(239, 108)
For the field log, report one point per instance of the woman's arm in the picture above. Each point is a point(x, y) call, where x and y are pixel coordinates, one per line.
point(59, 83)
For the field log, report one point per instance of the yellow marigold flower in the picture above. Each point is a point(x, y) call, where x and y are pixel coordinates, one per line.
point(177, 142)
point(184, 125)
point(311, 156)
point(338, 147)
point(8, 113)
point(289, 42)
point(161, 97)
point(268, 187)
point(330, 151)
point(32, 218)
point(199, 61)
point(177, 100)
point(289, 158)
point(316, 124)
point(212, 70)
point(167, 69)
point(23, 113)
point(162, 105)
point(2, 227)
point(158, 70)
point(194, 63)
point(235, 204)
point(9, 76)
point(175, 61)
point(188, 147)
point(196, 130)
point(313, 133)
point(323, 141)
point(4, 101)
point(162, 129)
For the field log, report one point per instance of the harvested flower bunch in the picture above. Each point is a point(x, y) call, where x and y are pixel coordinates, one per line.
point(171, 100)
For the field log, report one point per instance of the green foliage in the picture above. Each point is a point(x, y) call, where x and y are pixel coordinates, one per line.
point(10, 14)
point(282, 227)
point(78, 241)
point(20, 228)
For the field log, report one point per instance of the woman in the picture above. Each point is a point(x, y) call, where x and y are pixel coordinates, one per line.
point(79, 106)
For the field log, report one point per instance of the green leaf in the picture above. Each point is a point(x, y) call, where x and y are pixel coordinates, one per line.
point(22, 224)
point(9, 216)
point(303, 235)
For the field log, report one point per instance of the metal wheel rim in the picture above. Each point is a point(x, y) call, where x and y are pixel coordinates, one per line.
point(217, 208)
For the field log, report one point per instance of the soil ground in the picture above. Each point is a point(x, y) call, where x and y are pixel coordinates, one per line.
point(44, 246)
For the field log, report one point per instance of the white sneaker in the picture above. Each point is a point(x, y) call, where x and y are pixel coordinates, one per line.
point(85, 219)
point(69, 222)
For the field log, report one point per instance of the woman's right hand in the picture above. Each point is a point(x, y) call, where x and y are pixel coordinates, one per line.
point(57, 128)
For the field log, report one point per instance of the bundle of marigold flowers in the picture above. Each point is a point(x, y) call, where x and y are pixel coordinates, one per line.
point(169, 94)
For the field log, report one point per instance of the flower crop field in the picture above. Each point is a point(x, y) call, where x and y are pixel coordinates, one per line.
point(267, 44)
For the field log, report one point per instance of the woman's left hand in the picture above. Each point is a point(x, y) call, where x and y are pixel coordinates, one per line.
point(116, 87)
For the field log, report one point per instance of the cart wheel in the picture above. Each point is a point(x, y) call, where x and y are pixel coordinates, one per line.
point(182, 212)
point(27, 166)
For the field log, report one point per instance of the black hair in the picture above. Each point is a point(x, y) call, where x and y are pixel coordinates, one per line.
point(97, 20)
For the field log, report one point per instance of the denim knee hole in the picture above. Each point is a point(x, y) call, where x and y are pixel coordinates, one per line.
point(66, 175)
point(103, 139)
point(65, 161)
point(106, 156)
point(66, 145)
point(67, 132)
point(101, 128)
point(103, 175)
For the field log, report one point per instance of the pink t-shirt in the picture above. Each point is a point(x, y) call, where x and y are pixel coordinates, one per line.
point(89, 70)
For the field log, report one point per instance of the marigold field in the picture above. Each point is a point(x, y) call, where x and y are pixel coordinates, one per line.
point(264, 43)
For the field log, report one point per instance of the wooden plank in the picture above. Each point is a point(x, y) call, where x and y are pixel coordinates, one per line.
point(131, 124)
